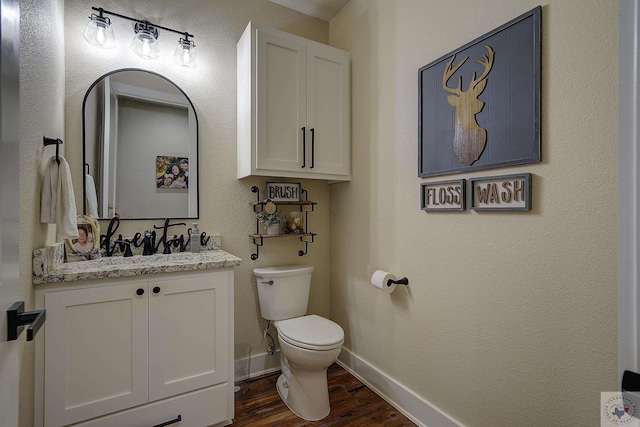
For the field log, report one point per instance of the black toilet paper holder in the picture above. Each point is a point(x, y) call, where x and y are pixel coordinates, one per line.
point(403, 281)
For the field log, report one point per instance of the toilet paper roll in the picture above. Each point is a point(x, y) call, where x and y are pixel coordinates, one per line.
point(381, 278)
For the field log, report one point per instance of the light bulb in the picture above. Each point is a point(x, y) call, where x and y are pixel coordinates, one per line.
point(100, 37)
point(146, 49)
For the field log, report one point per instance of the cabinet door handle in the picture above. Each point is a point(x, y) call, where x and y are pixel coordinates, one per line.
point(304, 147)
point(156, 290)
point(313, 147)
point(168, 423)
point(140, 291)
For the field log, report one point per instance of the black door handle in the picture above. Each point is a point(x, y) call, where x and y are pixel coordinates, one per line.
point(156, 290)
point(304, 147)
point(17, 318)
point(140, 291)
point(630, 381)
point(313, 147)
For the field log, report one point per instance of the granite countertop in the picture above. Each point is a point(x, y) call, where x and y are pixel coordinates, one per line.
point(48, 268)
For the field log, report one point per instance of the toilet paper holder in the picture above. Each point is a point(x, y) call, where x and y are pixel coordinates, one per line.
point(403, 281)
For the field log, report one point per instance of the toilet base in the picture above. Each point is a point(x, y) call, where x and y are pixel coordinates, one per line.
point(320, 410)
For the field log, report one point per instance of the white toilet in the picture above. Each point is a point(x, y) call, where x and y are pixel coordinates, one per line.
point(309, 344)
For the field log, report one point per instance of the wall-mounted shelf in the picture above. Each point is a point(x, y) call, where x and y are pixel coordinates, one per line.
point(306, 237)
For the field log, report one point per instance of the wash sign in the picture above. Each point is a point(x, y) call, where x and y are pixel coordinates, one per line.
point(509, 192)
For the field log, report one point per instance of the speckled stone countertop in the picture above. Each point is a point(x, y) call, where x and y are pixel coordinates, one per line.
point(48, 268)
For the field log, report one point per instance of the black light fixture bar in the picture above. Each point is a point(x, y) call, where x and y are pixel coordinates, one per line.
point(101, 11)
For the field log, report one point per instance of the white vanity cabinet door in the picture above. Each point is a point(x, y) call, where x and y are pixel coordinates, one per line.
point(96, 345)
point(189, 336)
point(293, 107)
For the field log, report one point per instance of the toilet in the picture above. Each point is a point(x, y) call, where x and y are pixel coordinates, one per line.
point(309, 344)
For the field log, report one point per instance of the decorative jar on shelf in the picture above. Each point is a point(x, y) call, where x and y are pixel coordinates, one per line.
point(272, 221)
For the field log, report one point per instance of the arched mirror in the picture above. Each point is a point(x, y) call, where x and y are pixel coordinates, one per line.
point(140, 148)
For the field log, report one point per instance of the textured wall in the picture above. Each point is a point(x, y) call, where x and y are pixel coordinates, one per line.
point(510, 318)
point(41, 113)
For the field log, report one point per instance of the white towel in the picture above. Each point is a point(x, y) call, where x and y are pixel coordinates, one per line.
point(92, 198)
point(58, 202)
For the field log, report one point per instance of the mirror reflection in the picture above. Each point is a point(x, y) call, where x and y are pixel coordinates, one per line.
point(140, 148)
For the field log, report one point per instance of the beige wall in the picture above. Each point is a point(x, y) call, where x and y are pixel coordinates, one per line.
point(510, 318)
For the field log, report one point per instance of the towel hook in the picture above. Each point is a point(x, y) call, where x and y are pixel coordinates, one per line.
point(50, 141)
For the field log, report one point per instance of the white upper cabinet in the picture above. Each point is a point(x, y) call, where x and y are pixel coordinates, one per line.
point(293, 107)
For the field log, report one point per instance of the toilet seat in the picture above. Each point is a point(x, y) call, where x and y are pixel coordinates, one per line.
point(311, 332)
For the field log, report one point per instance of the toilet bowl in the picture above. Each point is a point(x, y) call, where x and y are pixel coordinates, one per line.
point(309, 344)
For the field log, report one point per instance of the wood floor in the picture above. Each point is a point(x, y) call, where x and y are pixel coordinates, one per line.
point(352, 404)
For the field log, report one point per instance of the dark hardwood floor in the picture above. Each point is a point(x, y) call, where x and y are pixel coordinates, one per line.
point(352, 404)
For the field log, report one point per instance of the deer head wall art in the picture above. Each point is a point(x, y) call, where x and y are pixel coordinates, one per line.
point(479, 105)
point(469, 138)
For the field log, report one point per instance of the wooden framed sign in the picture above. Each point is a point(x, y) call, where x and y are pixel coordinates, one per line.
point(284, 191)
point(507, 192)
point(479, 106)
point(443, 195)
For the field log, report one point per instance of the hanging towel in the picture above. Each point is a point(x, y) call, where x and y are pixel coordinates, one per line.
point(92, 198)
point(58, 202)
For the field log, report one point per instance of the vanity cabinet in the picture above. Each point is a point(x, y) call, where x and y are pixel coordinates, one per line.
point(293, 107)
point(139, 352)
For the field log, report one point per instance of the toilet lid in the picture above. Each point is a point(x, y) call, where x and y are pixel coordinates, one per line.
point(312, 332)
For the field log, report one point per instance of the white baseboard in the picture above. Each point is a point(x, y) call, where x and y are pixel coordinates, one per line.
point(259, 364)
point(403, 399)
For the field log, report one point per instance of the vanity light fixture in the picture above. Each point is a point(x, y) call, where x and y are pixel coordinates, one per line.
point(185, 53)
point(145, 42)
point(98, 32)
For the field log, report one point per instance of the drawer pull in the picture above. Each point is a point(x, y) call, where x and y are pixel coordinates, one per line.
point(140, 291)
point(156, 290)
point(168, 423)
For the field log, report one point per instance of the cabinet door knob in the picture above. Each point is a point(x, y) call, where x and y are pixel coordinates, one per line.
point(140, 291)
point(156, 290)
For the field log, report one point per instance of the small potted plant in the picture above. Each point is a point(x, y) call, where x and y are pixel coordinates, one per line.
point(272, 221)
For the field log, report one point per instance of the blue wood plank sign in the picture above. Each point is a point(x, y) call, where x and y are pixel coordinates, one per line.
point(479, 106)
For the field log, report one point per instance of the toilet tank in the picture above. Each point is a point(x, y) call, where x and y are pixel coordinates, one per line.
point(283, 291)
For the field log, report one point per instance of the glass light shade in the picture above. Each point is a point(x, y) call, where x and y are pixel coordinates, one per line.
point(185, 53)
point(99, 33)
point(145, 42)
